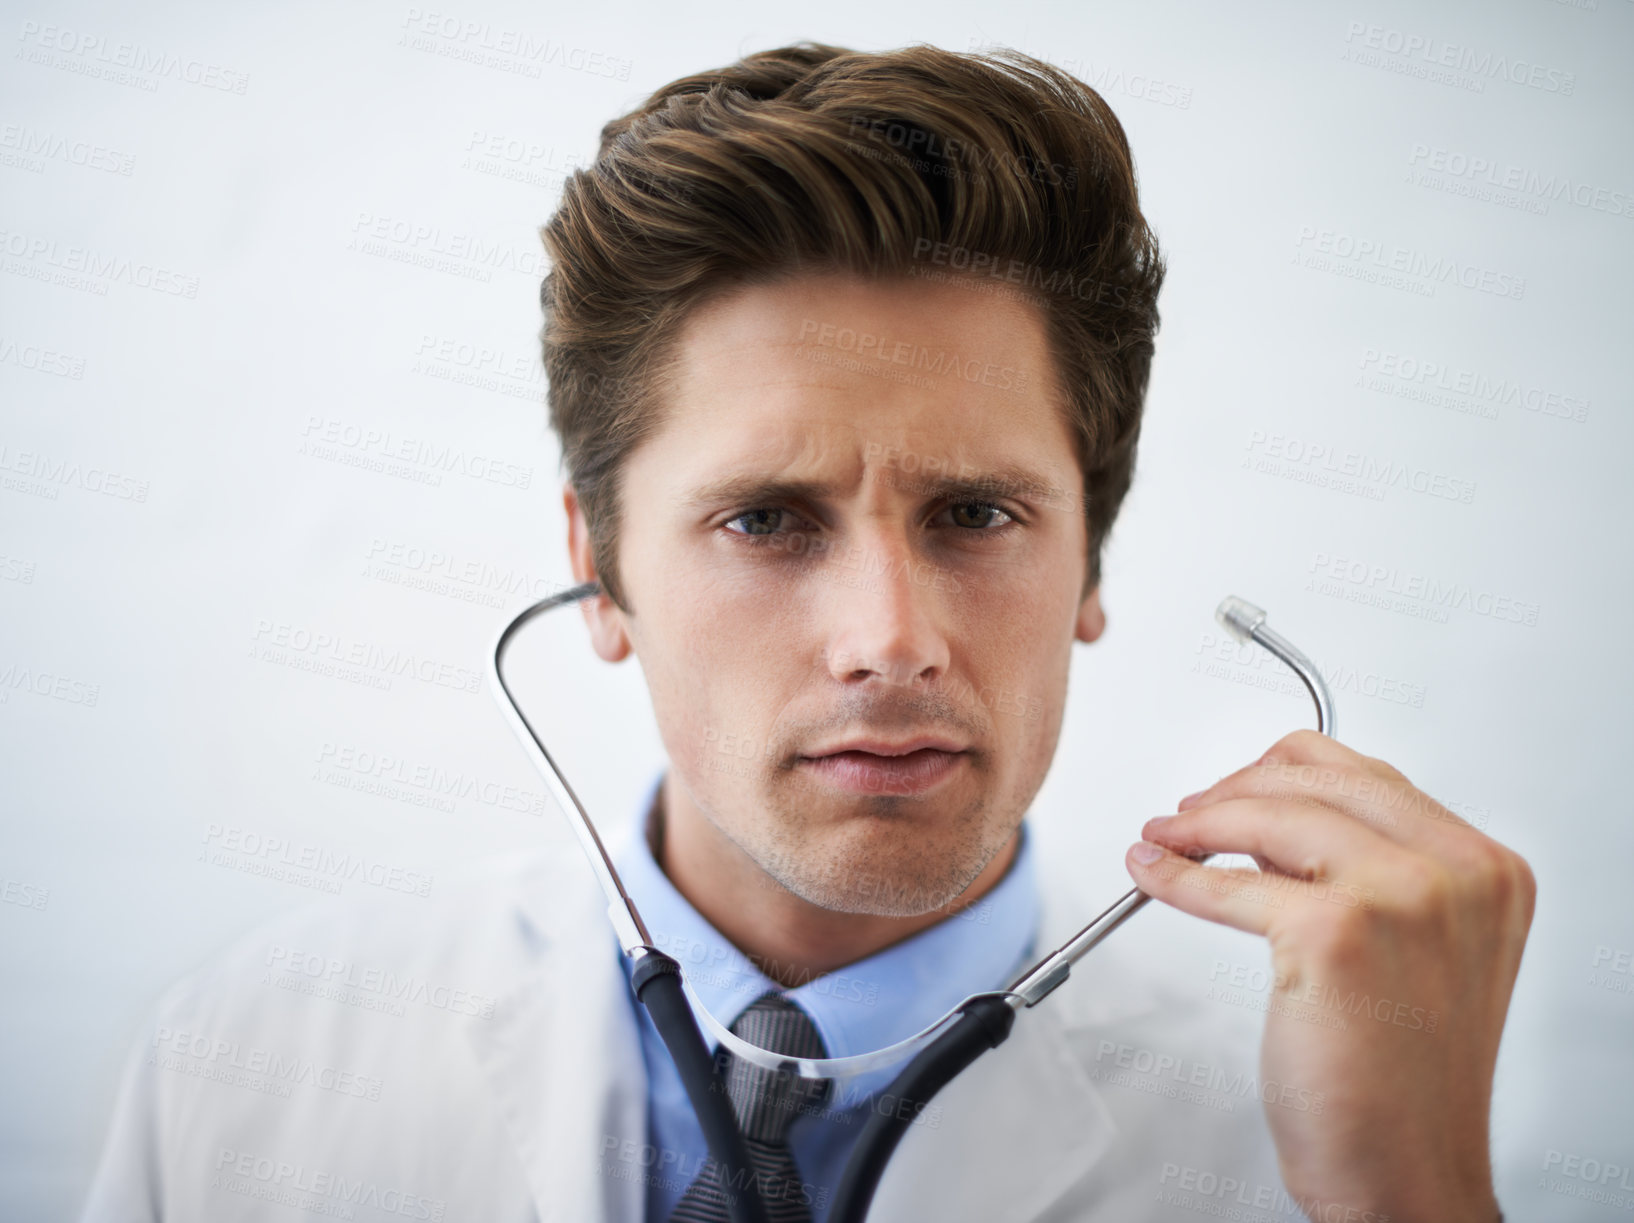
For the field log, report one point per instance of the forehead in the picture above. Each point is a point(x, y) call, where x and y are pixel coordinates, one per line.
point(816, 367)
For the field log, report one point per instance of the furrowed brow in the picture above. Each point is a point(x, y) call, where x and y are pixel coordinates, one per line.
point(752, 490)
point(1005, 480)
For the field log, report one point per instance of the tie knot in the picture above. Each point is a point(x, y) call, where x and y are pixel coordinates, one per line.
point(768, 1101)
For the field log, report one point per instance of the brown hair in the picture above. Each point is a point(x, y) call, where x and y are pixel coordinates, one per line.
point(817, 158)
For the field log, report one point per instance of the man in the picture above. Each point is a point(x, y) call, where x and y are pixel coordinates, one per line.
point(847, 353)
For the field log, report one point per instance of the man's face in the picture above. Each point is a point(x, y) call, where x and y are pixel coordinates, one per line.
point(854, 549)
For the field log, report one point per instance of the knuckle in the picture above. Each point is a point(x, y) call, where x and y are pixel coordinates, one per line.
point(1507, 877)
point(1384, 768)
point(1299, 745)
point(1304, 784)
point(1526, 886)
point(1432, 808)
point(1338, 937)
point(1422, 890)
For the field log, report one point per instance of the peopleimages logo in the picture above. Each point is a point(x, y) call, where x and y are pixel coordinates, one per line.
point(1333, 574)
point(37, 147)
point(498, 47)
point(304, 649)
point(41, 360)
point(1196, 1082)
point(1422, 55)
point(15, 677)
point(232, 1061)
point(1587, 1179)
point(426, 460)
point(1443, 384)
point(1030, 276)
point(342, 974)
point(91, 269)
point(94, 55)
point(873, 346)
point(451, 253)
point(1277, 453)
point(1533, 184)
point(386, 773)
point(258, 854)
point(1346, 254)
point(316, 1190)
point(1230, 1197)
point(56, 473)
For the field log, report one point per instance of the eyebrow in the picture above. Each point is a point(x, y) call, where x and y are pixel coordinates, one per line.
point(1005, 479)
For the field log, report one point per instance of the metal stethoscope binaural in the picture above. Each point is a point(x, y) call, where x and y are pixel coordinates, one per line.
point(941, 1051)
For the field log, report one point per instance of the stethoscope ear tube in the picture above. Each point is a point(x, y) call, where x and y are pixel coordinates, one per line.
point(985, 1024)
point(656, 979)
point(986, 1019)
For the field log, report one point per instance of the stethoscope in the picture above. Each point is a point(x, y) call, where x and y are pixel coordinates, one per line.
point(939, 1052)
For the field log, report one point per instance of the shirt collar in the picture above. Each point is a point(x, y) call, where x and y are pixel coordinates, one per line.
point(867, 1005)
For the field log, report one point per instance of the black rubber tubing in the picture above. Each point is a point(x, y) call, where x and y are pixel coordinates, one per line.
point(984, 1024)
point(656, 979)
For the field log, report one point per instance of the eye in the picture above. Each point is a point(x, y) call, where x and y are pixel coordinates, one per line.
point(977, 515)
point(763, 521)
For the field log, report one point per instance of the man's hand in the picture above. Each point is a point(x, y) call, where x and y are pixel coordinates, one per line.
point(1396, 932)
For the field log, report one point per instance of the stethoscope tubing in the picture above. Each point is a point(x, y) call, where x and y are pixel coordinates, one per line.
point(944, 1049)
point(654, 977)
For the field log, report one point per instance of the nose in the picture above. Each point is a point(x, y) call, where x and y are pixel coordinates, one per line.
point(885, 614)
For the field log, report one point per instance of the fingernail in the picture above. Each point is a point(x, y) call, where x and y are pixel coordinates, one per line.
point(1145, 852)
point(1190, 799)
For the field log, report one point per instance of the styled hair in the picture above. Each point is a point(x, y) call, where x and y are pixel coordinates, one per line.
point(997, 169)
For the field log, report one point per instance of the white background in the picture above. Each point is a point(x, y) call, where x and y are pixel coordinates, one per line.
point(1268, 139)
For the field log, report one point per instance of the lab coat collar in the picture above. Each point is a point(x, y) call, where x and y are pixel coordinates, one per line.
point(563, 1057)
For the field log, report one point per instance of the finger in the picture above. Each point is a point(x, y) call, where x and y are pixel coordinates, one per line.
point(1229, 897)
point(1310, 768)
point(1298, 839)
point(1300, 748)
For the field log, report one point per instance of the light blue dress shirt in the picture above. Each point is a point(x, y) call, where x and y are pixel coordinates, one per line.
point(875, 1002)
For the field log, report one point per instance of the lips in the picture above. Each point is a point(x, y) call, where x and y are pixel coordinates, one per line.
point(883, 747)
point(876, 766)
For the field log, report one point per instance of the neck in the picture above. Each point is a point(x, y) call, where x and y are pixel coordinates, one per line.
point(786, 937)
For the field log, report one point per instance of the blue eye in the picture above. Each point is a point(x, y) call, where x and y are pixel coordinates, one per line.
point(763, 521)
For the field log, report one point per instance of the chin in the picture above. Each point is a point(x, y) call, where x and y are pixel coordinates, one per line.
point(872, 860)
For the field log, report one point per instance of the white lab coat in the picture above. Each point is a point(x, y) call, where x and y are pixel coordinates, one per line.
point(537, 1111)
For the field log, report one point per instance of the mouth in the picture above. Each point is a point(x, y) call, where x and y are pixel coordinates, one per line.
point(877, 767)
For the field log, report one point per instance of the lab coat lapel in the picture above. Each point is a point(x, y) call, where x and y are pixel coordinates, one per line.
point(563, 1056)
point(1003, 1142)
point(1024, 1125)
point(1007, 1138)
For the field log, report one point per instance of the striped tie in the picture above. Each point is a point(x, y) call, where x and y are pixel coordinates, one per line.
point(766, 1102)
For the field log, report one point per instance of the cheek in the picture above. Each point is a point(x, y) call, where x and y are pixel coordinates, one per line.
point(1023, 673)
point(716, 700)
point(1016, 629)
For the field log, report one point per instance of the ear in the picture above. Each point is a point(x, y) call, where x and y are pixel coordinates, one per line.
point(608, 633)
point(1091, 619)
